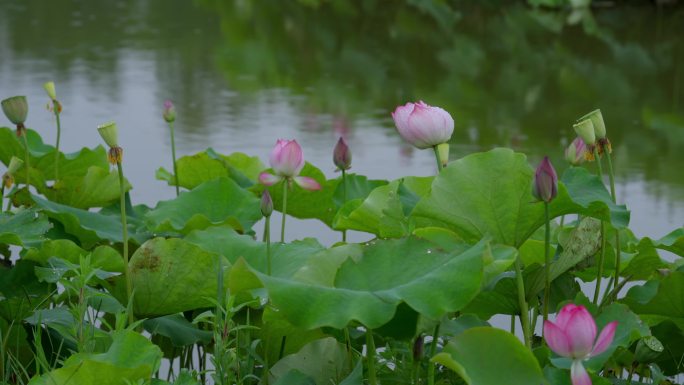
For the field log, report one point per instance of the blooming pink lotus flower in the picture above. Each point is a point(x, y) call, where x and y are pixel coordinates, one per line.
point(422, 125)
point(545, 186)
point(573, 335)
point(287, 160)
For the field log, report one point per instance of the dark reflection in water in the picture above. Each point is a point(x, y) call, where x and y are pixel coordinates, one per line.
point(243, 73)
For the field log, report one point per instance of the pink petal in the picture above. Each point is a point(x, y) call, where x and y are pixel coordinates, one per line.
point(581, 332)
point(578, 374)
point(565, 314)
point(307, 183)
point(556, 339)
point(268, 179)
point(289, 160)
point(431, 125)
point(605, 338)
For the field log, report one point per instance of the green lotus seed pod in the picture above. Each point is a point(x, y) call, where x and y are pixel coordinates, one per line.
point(443, 153)
point(16, 109)
point(50, 89)
point(648, 349)
point(109, 133)
point(596, 118)
point(14, 165)
point(585, 130)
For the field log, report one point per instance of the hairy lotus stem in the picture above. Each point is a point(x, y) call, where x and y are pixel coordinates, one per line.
point(370, 355)
point(24, 135)
point(173, 155)
point(547, 261)
point(344, 199)
point(267, 239)
point(433, 348)
point(611, 175)
point(286, 182)
point(522, 303)
point(122, 202)
point(59, 134)
point(599, 274)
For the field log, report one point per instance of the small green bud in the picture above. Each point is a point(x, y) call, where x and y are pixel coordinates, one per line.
point(585, 130)
point(50, 89)
point(16, 109)
point(596, 118)
point(109, 133)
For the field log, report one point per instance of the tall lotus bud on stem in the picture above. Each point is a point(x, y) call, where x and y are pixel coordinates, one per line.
point(424, 126)
point(169, 113)
point(573, 335)
point(342, 156)
point(585, 130)
point(16, 110)
point(266, 204)
point(545, 181)
point(575, 154)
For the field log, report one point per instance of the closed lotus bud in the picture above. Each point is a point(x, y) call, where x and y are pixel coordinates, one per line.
point(545, 186)
point(648, 349)
point(596, 118)
point(169, 113)
point(266, 204)
point(575, 154)
point(50, 90)
point(14, 165)
point(585, 130)
point(109, 133)
point(422, 125)
point(16, 109)
point(342, 156)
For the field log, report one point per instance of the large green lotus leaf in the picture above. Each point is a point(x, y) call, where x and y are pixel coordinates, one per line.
point(103, 257)
point(89, 227)
point(23, 228)
point(672, 242)
point(130, 358)
point(172, 275)
point(667, 303)
point(325, 361)
point(208, 165)
point(357, 187)
point(272, 330)
point(97, 188)
point(215, 203)
point(20, 291)
point(286, 258)
point(381, 213)
point(305, 204)
point(487, 356)
point(490, 194)
point(432, 282)
point(179, 330)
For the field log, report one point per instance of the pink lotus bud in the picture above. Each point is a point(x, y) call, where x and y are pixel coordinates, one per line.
point(545, 186)
point(575, 154)
point(573, 335)
point(342, 157)
point(266, 204)
point(287, 158)
point(422, 125)
point(169, 113)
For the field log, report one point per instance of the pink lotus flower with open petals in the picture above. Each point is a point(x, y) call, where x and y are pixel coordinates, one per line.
point(287, 160)
point(422, 125)
point(573, 335)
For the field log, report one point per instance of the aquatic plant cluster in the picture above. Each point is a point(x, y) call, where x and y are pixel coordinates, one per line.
point(98, 290)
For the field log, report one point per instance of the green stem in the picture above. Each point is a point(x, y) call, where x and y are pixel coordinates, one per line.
point(433, 348)
point(173, 154)
point(347, 340)
point(344, 199)
point(2, 192)
point(122, 202)
point(439, 163)
point(598, 163)
point(286, 182)
point(59, 134)
point(522, 303)
point(547, 262)
point(513, 324)
point(611, 175)
point(267, 239)
point(370, 355)
point(28, 167)
point(599, 274)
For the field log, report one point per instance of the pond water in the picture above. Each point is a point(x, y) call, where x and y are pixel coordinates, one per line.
point(245, 73)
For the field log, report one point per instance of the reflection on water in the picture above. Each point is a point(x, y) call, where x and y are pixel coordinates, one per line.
point(244, 73)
